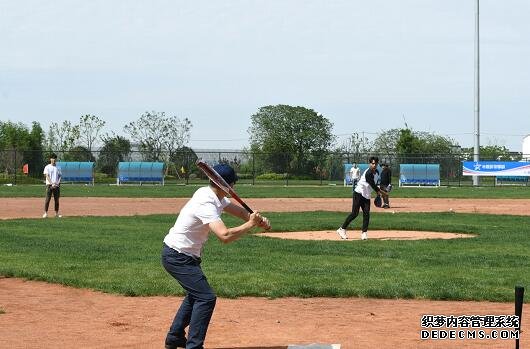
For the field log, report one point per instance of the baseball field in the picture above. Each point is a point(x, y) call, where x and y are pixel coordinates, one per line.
point(93, 279)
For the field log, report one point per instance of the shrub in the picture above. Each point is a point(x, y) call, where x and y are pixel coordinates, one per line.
point(271, 176)
point(244, 175)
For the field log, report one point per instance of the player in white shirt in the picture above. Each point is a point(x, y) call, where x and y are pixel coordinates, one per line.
point(355, 174)
point(361, 198)
point(53, 184)
point(181, 256)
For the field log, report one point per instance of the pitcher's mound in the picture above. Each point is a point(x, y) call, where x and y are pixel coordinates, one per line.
point(372, 235)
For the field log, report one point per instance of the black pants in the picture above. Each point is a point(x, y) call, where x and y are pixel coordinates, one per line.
point(385, 198)
point(359, 202)
point(56, 193)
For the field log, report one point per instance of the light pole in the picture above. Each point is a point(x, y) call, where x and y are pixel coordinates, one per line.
point(476, 155)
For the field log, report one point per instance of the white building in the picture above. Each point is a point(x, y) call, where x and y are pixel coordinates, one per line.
point(526, 148)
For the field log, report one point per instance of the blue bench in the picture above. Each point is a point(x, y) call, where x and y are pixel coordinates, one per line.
point(419, 175)
point(522, 180)
point(74, 171)
point(150, 172)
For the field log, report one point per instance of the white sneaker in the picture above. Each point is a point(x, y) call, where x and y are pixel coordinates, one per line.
point(45, 215)
point(364, 235)
point(342, 233)
point(57, 215)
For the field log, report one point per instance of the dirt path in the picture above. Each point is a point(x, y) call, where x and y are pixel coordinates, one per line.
point(41, 315)
point(37, 314)
point(92, 206)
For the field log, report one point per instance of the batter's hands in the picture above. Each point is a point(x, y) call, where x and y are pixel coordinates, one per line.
point(258, 220)
point(265, 224)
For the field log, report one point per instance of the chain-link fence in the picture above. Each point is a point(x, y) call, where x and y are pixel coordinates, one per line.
point(26, 167)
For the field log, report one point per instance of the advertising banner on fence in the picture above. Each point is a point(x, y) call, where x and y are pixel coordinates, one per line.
point(495, 168)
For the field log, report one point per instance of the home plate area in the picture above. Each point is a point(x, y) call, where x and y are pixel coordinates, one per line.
point(315, 346)
point(296, 346)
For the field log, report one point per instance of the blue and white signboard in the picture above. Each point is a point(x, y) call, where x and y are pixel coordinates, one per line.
point(496, 168)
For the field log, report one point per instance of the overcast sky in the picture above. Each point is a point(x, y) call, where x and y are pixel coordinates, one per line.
point(367, 66)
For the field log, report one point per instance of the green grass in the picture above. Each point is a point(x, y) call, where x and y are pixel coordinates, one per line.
point(262, 191)
point(122, 255)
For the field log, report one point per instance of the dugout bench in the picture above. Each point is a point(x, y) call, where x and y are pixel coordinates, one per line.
point(140, 172)
point(75, 171)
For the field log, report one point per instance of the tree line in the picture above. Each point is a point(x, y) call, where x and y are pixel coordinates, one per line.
point(282, 138)
point(158, 137)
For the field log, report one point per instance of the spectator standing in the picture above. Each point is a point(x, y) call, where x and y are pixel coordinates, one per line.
point(53, 182)
point(355, 174)
point(386, 183)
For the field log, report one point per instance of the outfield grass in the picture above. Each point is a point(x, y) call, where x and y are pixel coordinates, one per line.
point(261, 191)
point(122, 255)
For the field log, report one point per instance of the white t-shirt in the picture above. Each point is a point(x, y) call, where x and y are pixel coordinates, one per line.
point(355, 173)
point(54, 172)
point(190, 231)
point(364, 187)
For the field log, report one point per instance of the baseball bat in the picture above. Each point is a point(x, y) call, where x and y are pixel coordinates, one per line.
point(221, 183)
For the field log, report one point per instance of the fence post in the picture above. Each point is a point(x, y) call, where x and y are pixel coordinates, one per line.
point(459, 173)
point(320, 172)
point(286, 171)
point(187, 175)
point(253, 169)
point(15, 165)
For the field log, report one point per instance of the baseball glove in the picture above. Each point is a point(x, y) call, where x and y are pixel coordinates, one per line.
point(378, 202)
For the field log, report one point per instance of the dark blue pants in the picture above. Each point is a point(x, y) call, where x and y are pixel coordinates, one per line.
point(197, 307)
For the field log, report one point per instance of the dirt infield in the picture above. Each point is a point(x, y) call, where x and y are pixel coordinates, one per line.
point(92, 206)
point(37, 314)
point(41, 315)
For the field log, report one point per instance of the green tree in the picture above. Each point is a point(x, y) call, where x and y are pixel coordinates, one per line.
point(492, 153)
point(433, 144)
point(89, 128)
point(183, 158)
point(290, 138)
point(14, 140)
point(78, 153)
point(356, 146)
point(408, 143)
point(385, 144)
point(178, 136)
point(34, 155)
point(61, 138)
point(115, 149)
point(13, 135)
point(420, 145)
point(159, 136)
